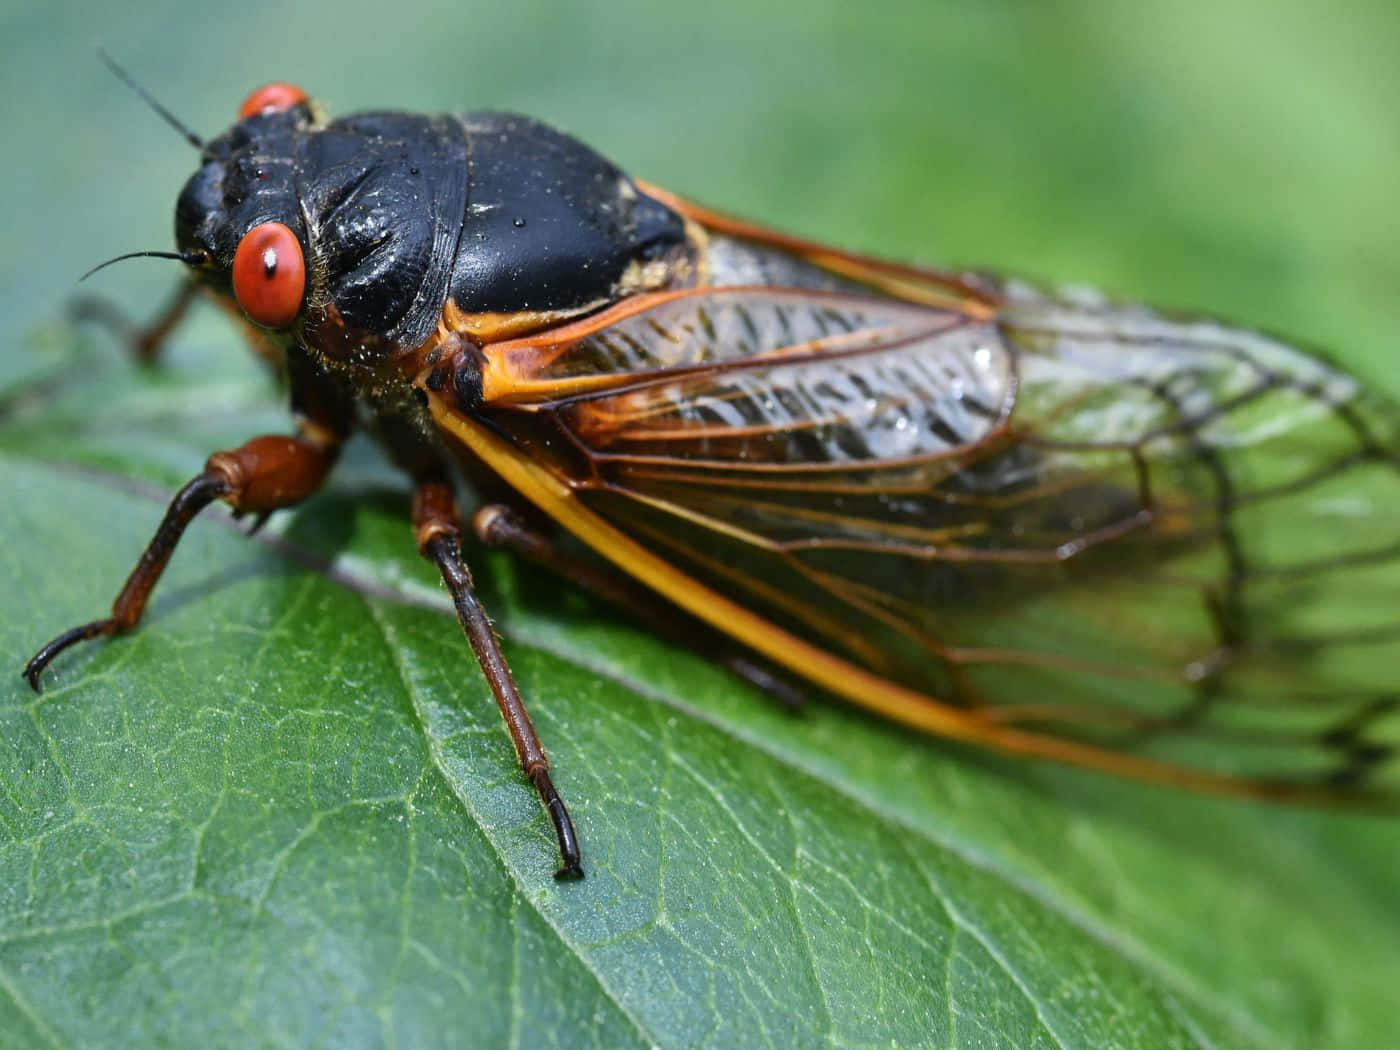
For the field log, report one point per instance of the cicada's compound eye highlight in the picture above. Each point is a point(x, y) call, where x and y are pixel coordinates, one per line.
point(269, 275)
point(277, 97)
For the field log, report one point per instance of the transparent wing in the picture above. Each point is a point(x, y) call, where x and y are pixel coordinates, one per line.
point(1087, 521)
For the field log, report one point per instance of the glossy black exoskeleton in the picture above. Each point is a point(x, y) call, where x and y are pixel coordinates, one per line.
point(399, 213)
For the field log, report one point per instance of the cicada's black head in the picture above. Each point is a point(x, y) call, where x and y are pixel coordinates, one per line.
point(239, 213)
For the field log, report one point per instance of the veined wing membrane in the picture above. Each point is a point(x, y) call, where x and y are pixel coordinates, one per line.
point(1084, 521)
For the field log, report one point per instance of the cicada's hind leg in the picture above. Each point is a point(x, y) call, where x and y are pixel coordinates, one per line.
point(437, 529)
point(143, 342)
point(497, 525)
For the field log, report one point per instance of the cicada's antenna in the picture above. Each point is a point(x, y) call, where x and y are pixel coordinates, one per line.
point(165, 114)
point(189, 258)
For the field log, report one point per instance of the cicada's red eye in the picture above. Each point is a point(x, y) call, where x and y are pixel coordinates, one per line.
point(269, 275)
point(277, 97)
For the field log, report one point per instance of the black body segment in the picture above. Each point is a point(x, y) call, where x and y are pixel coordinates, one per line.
point(385, 194)
point(551, 224)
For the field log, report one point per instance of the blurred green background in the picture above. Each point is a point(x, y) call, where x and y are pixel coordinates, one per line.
point(1234, 158)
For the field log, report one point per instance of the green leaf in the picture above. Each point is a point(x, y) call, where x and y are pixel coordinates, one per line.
point(285, 811)
point(286, 807)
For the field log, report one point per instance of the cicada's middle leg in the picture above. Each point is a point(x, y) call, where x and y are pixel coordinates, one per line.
point(438, 531)
point(499, 526)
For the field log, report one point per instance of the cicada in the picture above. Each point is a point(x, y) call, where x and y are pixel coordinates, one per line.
point(1049, 524)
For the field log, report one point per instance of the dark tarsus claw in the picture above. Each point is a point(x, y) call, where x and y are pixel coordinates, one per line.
point(194, 496)
point(259, 520)
point(45, 655)
point(571, 866)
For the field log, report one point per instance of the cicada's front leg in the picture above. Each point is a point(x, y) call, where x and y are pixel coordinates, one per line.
point(438, 531)
point(266, 474)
